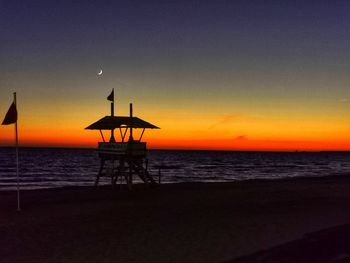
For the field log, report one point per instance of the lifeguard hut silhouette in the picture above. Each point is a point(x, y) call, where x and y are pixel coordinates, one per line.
point(124, 158)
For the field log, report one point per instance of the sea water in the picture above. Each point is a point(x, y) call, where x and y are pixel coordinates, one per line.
point(58, 167)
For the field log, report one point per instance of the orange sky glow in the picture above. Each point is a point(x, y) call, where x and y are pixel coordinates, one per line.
point(190, 131)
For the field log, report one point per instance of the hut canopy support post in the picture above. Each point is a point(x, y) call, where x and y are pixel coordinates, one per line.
point(112, 136)
point(100, 172)
point(103, 138)
point(123, 136)
point(143, 130)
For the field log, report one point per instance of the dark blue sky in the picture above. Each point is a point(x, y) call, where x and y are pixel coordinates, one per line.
point(248, 32)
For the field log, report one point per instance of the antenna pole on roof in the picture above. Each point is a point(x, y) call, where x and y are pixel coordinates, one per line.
point(111, 99)
point(112, 109)
point(131, 122)
point(112, 114)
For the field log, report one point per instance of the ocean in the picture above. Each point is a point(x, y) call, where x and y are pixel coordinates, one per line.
point(59, 167)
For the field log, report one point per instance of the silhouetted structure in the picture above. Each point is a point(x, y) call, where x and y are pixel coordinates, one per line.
point(122, 159)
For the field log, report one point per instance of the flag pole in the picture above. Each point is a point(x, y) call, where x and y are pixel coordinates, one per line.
point(17, 172)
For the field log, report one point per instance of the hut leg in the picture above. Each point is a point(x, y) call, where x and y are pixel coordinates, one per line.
point(159, 176)
point(112, 173)
point(128, 176)
point(99, 172)
point(123, 173)
point(130, 172)
point(150, 178)
point(115, 178)
point(127, 179)
point(118, 173)
point(141, 172)
point(121, 181)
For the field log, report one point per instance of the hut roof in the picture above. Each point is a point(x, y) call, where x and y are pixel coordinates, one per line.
point(113, 122)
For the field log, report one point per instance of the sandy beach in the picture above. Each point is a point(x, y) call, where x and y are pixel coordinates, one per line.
point(193, 222)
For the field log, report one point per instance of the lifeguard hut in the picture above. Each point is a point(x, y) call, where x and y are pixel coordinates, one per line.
point(127, 157)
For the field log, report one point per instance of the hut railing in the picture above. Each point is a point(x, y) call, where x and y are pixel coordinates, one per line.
point(134, 148)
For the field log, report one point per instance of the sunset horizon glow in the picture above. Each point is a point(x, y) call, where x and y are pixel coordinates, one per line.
point(155, 139)
point(217, 75)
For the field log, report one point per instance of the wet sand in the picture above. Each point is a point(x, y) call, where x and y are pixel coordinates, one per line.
point(192, 222)
point(328, 245)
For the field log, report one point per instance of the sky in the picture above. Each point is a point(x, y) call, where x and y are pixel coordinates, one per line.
point(213, 75)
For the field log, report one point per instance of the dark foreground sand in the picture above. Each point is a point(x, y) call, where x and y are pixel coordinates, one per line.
point(221, 222)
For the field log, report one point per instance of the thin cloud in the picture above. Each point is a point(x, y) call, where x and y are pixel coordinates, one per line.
point(241, 138)
point(225, 120)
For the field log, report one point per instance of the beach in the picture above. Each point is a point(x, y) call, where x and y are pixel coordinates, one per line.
point(185, 222)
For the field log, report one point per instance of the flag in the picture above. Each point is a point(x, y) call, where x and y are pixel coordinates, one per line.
point(11, 115)
point(111, 96)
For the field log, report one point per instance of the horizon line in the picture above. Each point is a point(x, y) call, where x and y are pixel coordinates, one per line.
point(182, 149)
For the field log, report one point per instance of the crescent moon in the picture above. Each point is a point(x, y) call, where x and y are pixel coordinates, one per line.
point(100, 72)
